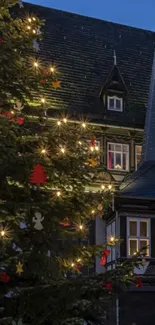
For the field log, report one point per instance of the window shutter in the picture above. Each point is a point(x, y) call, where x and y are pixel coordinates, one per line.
point(123, 235)
point(153, 237)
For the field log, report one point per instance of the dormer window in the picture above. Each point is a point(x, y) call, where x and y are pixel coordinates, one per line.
point(115, 103)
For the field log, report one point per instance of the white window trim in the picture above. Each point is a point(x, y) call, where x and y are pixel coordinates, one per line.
point(120, 169)
point(138, 237)
point(115, 108)
point(137, 145)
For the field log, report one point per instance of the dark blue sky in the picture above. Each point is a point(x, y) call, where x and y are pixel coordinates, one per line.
point(138, 13)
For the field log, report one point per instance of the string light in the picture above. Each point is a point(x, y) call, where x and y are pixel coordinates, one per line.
point(64, 120)
point(109, 187)
point(58, 123)
point(34, 31)
point(73, 264)
point(62, 150)
point(84, 125)
point(93, 211)
point(28, 27)
point(43, 100)
point(81, 227)
point(29, 20)
point(102, 187)
point(80, 143)
point(52, 69)
point(79, 260)
point(97, 148)
point(58, 194)
point(34, 18)
point(36, 64)
point(12, 112)
point(2, 233)
point(112, 239)
point(43, 151)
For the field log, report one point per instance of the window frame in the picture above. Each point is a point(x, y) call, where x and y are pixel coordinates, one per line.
point(122, 144)
point(137, 145)
point(112, 232)
point(139, 238)
point(115, 108)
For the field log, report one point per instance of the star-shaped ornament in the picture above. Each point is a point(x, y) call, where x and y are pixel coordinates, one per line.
point(19, 267)
point(56, 84)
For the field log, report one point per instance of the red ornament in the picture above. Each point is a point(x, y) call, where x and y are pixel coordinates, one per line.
point(45, 72)
point(108, 286)
point(78, 267)
point(139, 282)
point(65, 222)
point(38, 175)
point(92, 141)
point(4, 277)
point(43, 81)
point(20, 120)
point(104, 256)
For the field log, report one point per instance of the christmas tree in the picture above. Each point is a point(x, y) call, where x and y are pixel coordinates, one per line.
point(47, 167)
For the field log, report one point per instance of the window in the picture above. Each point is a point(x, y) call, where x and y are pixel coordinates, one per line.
point(138, 235)
point(110, 232)
point(118, 156)
point(138, 153)
point(115, 104)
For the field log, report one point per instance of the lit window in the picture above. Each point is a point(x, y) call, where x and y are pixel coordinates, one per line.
point(138, 235)
point(115, 104)
point(110, 232)
point(138, 154)
point(118, 156)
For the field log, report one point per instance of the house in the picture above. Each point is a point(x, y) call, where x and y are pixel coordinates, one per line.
point(106, 71)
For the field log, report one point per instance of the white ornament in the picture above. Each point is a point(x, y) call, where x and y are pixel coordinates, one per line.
point(37, 220)
point(100, 207)
point(18, 106)
point(20, 2)
point(36, 45)
point(19, 322)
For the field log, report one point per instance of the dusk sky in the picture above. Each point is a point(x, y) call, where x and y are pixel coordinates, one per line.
point(138, 13)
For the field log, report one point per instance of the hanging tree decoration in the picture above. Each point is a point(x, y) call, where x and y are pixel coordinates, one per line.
point(18, 106)
point(4, 277)
point(38, 175)
point(37, 220)
point(19, 268)
point(104, 256)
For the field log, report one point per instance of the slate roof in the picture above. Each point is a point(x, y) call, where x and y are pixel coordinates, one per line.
point(82, 48)
point(141, 183)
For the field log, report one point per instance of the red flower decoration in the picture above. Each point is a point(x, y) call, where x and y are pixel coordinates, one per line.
point(20, 120)
point(65, 222)
point(43, 81)
point(104, 256)
point(139, 282)
point(108, 286)
point(4, 277)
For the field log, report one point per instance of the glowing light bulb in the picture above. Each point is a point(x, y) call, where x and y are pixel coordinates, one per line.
point(96, 148)
point(81, 227)
point(58, 194)
point(62, 150)
point(36, 65)
point(34, 31)
point(12, 112)
point(2, 233)
point(30, 20)
point(52, 69)
point(59, 123)
point(28, 27)
point(112, 238)
point(93, 211)
point(84, 125)
point(34, 19)
point(43, 151)
point(72, 265)
point(109, 187)
point(92, 148)
point(80, 143)
point(65, 120)
point(43, 100)
point(79, 260)
point(102, 187)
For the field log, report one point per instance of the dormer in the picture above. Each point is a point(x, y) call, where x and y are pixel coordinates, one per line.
point(114, 91)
